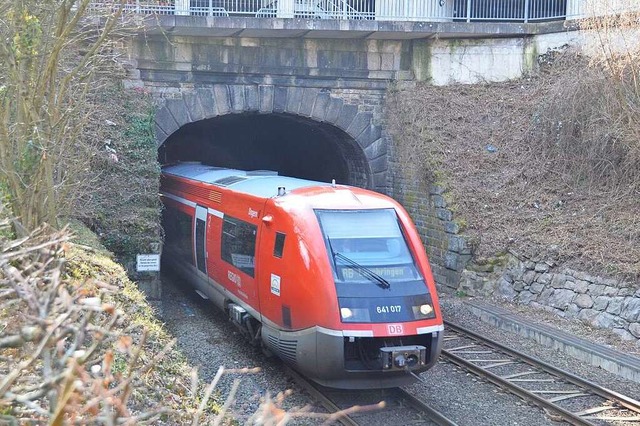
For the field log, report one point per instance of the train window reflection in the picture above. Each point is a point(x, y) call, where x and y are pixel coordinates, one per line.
point(371, 238)
point(239, 244)
point(279, 244)
point(178, 232)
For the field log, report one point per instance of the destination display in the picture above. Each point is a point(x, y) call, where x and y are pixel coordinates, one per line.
point(391, 273)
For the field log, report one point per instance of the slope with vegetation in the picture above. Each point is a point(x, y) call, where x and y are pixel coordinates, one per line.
point(548, 165)
point(79, 343)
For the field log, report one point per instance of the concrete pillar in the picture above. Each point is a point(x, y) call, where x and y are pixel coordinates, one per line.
point(285, 8)
point(182, 7)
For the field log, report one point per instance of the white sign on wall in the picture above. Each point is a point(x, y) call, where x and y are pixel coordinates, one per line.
point(147, 262)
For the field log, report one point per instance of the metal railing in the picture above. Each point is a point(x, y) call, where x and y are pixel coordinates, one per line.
point(379, 10)
point(509, 10)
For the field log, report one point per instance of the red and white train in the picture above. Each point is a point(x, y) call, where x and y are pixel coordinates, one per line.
point(332, 279)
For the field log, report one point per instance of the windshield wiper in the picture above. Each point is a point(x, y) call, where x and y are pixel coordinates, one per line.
point(363, 270)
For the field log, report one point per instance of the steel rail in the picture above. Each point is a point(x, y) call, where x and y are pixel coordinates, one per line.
point(593, 388)
point(623, 400)
point(322, 398)
point(517, 390)
point(434, 415)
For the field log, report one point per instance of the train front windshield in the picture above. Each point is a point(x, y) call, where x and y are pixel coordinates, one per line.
point(366, 246)
point(375, 274)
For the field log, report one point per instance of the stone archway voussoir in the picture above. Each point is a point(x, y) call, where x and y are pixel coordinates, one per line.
point(194, 106)
point(236, 98)
point(208, 103)
point(178, 109)
point(221, 94)
point(333, 110)
point(368, 136)
point(376, 149)
point(251, 98)
point(347, 115)
point(309, 97)
point(266, 97)
point(321, 106)
point(165, 121)
point(294, 99)
point(161, 136)
point(379, 165)
point(360, 122)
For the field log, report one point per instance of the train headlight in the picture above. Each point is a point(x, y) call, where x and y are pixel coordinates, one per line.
point(354, 314)
point(426, 309)
point(346, 313)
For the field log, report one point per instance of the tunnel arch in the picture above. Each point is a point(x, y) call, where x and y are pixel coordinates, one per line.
point(303, 132)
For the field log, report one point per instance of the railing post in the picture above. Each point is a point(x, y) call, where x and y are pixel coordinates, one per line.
point(182, 7)
point(526, 11)
point(468, 10)
point(137, 6)
point(344, 9)
point(285, 8)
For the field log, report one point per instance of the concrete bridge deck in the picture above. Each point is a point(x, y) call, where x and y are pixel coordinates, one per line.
point(212, 26)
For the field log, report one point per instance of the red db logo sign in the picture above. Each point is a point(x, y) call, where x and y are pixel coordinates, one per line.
point(395, 329)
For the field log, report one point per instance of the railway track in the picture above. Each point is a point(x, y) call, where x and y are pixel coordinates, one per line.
point(561, 394)
point(353, 408)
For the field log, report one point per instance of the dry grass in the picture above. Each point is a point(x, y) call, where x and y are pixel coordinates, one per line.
point(530, 164)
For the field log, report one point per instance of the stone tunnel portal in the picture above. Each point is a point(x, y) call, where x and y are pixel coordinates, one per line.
point(289, 144)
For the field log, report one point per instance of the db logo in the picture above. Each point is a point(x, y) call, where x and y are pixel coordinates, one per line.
point(395, 329)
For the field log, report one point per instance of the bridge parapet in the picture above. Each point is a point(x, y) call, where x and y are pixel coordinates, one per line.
point(389, 10)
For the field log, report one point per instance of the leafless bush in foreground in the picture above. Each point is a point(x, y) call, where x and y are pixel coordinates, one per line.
point(72, 350)
point(64, 356)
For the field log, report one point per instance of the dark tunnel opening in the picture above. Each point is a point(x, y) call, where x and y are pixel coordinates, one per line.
point(291, 145)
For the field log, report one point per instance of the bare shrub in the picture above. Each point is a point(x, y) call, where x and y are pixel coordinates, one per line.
point(589, 130)
point(80, 345)
point(538, 165)
point(117, 194)
point(64, 353)
point(615, 58)
point(54, 55)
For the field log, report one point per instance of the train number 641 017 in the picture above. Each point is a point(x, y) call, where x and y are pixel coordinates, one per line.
point(389, 308)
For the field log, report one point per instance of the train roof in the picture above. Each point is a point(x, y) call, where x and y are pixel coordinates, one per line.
point(261, 183)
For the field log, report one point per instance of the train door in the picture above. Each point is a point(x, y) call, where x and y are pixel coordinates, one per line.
point(199, 238)
point(274, 285)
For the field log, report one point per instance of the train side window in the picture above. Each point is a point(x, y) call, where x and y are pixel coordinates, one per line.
point(178, 232)
point(239, 244)
point(279, 245)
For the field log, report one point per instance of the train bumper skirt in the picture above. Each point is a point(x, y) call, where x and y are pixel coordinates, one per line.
point(319, 354)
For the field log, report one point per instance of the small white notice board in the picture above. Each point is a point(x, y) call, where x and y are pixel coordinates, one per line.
point(147, 262)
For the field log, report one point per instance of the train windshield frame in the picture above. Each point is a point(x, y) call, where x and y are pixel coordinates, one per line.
point(367, 246)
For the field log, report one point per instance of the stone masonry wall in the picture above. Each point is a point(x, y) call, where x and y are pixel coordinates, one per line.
point(446, 247)
point(600, 302)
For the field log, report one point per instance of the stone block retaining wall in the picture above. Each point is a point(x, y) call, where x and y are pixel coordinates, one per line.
point(600, 302)
point(447, 249)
